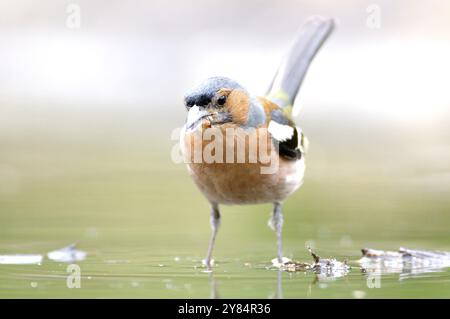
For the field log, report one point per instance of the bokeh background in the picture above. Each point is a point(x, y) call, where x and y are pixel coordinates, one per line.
point(87, 114)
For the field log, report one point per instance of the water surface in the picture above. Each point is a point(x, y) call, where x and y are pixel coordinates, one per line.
point(113, 188)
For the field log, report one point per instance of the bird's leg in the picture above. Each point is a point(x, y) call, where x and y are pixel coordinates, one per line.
point(215, 222)
point(276, 223)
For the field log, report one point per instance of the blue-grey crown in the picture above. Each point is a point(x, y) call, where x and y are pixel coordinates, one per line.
point(203, 93)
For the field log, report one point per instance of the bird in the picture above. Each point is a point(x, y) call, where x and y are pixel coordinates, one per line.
point(221, 105)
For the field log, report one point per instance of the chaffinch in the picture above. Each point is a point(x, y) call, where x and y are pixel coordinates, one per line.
point(230, 169)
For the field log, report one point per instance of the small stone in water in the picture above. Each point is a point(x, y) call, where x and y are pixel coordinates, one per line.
point(67, 254)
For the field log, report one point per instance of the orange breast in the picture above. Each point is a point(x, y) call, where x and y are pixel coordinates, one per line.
point(229, 177)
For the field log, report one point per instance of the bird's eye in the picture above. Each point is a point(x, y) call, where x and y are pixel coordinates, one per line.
point(221, 100)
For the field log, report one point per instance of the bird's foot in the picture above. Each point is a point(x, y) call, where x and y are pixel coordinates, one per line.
point(208, 263)
point(276, 262)
point(272, 223)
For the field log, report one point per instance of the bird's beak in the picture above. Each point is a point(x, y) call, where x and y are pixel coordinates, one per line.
point(197, 115)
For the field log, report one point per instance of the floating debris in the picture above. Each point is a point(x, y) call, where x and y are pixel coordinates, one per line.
point(21, 259)
point(329, 268)
point(322, 267)
point(404, 261)
point(67, 254)
point(290, 265)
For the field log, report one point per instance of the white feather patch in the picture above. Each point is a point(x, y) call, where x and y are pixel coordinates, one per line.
point(280, 132)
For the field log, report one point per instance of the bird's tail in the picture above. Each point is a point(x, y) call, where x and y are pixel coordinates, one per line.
point(286, 83)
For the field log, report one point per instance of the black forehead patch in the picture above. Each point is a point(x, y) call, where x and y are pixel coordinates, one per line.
point(198, 99)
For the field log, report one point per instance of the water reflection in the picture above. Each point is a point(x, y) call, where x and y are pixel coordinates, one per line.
point(213, 286)
point(320, 278)
point(405, 262)
point(279, 290)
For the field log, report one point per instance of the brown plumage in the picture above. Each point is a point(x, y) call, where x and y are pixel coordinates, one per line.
point(242, 183)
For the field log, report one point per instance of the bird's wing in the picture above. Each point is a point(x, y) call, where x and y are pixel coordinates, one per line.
point(285, 135)
point(287, 138)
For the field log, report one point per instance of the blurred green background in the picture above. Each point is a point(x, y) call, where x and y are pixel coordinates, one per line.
point(87, 114)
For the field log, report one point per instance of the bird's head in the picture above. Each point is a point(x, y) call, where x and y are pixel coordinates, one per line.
point(219, 100)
